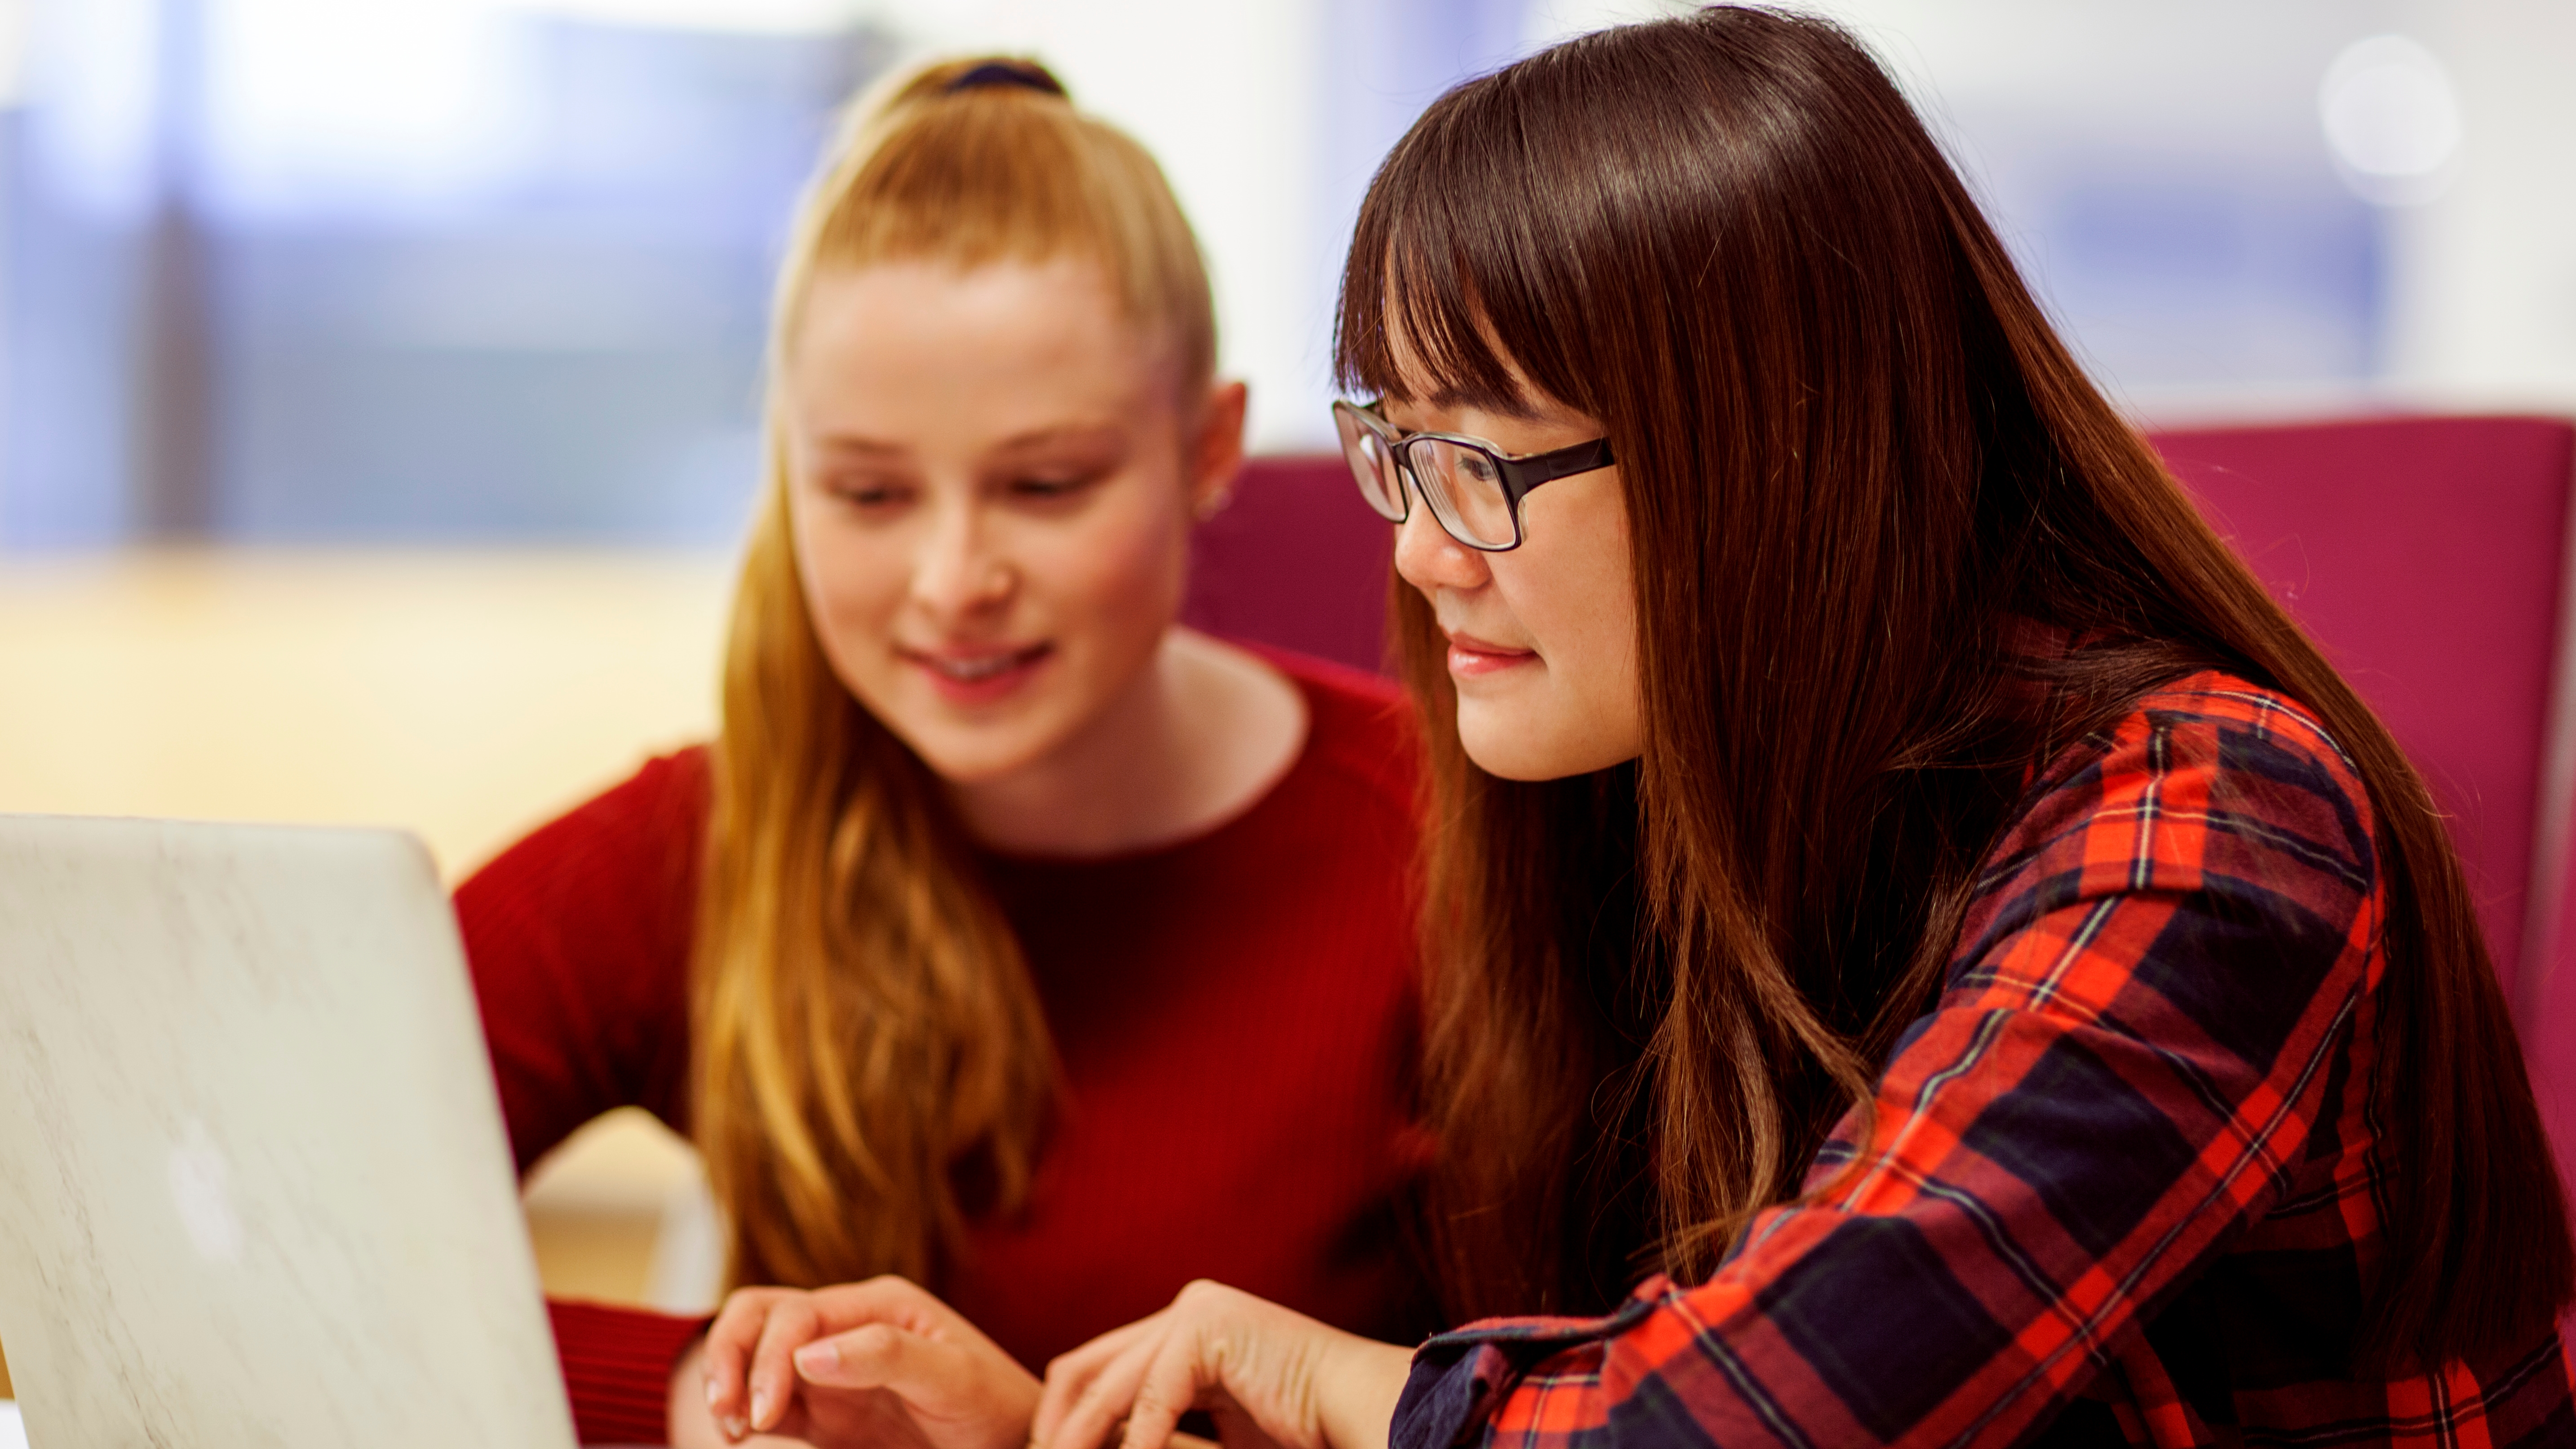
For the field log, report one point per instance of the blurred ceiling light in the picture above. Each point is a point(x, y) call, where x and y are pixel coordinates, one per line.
point(767, 17)
point(330, 106)
point(2391, 119)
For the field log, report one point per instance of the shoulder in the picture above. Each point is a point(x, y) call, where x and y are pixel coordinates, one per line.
point(578, 939)
point(2213, 786)
point(1361, 728)
point(2269, 730)
point(1336, 685)
point(676, 785)
point(2211, 751)
point(645, 831)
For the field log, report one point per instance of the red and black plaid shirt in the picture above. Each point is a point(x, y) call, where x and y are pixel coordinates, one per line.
point(2121, 1183)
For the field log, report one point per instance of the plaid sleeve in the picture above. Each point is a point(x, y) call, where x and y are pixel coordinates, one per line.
point(2162, 959)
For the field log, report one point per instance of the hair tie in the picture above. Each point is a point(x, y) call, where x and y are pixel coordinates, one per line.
point(1005, 73)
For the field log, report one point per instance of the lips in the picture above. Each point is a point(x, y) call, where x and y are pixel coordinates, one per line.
point(978, 676)
point(1474, 658)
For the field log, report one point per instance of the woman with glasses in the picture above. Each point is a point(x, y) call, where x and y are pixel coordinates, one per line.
point(1011, 951)
point(1921, 949)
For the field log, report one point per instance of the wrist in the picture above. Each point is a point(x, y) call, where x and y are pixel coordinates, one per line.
point(690, 1425)
point(1357, 1386)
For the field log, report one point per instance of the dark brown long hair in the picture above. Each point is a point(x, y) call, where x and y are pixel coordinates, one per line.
point(1862, 475)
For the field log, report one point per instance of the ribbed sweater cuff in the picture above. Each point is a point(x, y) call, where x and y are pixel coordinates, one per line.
point(617, 1368)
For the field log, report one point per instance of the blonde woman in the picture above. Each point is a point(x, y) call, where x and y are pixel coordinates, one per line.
point(1008, 938)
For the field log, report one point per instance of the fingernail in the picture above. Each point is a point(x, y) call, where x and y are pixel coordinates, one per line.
point(760, 1407)
point(712, 1394)
point(734, 1427)
point(817, 1358)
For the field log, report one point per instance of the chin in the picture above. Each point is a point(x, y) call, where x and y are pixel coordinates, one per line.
point(1510, 759)
point(964, 753)
point(966, 769)
point(972, 760)
point(1514, 750)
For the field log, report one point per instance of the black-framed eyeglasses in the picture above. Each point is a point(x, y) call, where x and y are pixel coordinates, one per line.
point(1474, 488)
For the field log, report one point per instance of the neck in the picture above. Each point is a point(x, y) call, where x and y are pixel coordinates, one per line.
point(1202, 732)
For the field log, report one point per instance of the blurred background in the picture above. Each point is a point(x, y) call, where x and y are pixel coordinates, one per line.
point(378, 377)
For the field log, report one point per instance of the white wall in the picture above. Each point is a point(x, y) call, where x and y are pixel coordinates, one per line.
point(2485, 303)
point(1226, 96)
point(2480, 282)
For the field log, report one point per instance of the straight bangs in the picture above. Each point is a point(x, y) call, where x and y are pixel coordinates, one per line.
point(1412, 330)
point(1446, 259)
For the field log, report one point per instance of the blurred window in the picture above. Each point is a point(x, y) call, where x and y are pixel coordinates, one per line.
point(397, 270)
point(496, 270)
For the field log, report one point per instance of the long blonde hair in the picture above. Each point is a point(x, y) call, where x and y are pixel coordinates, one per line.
point(872, 1067)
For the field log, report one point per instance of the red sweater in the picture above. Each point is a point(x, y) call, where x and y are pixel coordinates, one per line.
point(1235, 1016)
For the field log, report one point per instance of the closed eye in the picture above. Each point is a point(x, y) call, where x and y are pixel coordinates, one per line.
point(1047, 488)
point(872, 495)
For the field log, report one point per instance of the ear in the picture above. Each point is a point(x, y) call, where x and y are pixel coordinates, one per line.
point(1216, 455)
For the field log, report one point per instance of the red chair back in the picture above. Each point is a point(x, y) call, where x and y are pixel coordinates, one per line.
point(2426, 555)
point(1297, 561)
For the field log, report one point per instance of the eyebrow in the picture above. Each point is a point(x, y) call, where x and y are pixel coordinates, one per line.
point(853, 443)
point(1078, 433)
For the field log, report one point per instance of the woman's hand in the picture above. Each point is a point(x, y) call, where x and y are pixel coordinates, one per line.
point(1268, 1376)
point(879, 1364)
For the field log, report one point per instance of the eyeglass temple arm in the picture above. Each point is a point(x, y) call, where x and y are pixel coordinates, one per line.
point(1529, 472)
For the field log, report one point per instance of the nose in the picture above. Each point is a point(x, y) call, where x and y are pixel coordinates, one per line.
point(959, 571)
point(1430, 560)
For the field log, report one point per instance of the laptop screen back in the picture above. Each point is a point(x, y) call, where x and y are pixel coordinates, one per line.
point(254, 1187)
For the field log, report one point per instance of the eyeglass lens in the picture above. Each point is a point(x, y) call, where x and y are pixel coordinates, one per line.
point(1465, 489)
point(1462, 484)
point(1372, 466)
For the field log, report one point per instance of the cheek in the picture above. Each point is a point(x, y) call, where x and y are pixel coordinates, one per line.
point(854, 582)
point(1112, 578)
point(1597, 610)
point(1574, 596)
point(1585, 628)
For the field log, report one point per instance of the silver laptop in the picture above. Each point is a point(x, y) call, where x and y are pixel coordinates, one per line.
point(254, 1187)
